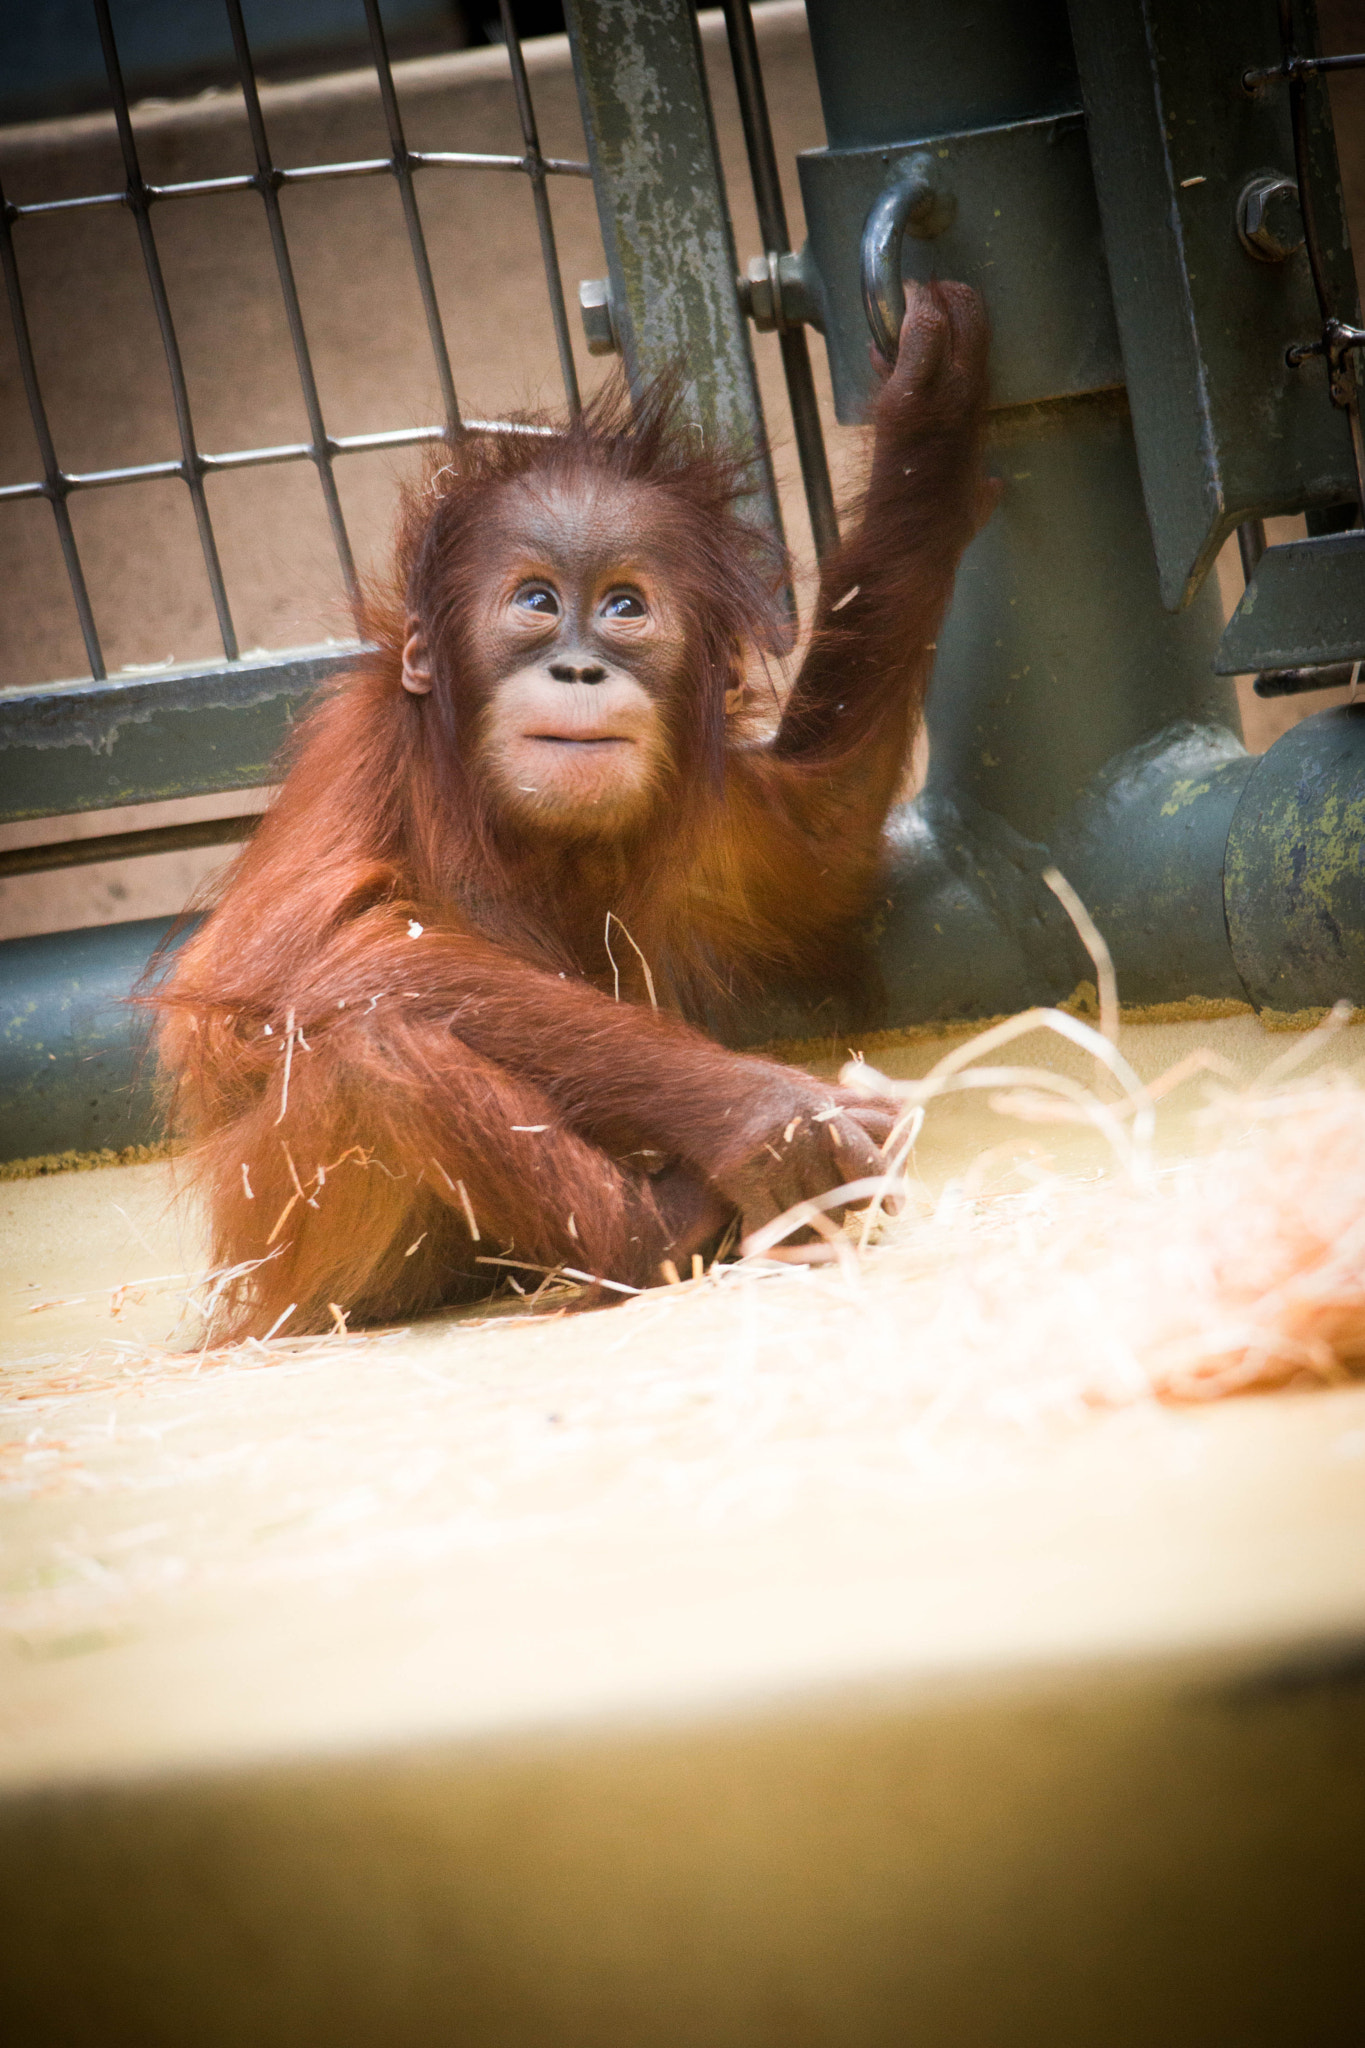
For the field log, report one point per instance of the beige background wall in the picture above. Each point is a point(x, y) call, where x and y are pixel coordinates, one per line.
point(104, 379)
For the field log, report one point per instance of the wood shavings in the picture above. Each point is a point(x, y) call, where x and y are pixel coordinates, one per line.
point(468, 1208)
point(612, 918)
point(288, 1065)
point(597, 1280)
point(991, 1318)
point(997, 1317)
point(1094, 945)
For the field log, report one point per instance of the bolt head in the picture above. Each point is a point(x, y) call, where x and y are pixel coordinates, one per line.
point(599, 329)
point(1270, 219)
point(759, 293)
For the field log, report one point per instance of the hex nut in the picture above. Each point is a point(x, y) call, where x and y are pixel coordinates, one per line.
point(599, 328)
point(757, 295)
point(1270, 219)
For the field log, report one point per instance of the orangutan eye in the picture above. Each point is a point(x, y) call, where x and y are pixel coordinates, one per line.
point(624, 604)
point(539, 600)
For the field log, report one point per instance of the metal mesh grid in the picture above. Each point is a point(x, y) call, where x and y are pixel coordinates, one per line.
point(321, 448)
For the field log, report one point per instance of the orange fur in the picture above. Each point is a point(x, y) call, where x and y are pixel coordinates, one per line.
point(399, 994)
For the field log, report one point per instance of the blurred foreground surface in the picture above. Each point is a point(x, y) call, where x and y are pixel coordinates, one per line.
point(794, 1658)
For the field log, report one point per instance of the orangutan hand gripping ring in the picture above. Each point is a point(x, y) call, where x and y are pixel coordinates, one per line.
point(913, 200)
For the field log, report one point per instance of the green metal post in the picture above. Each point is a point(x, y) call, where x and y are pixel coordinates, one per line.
point(1058, 659)
point(665, 223)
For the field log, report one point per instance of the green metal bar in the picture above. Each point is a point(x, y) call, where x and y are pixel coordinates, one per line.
point(665, 224)
point(1303, 607)
point(74, 1075)
point(1227, 430)
point(184, 732)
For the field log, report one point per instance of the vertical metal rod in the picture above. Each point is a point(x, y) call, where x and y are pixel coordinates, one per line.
point(1250, 545)
point(268, 184)
point(1298, 126)
point(402, 166)
point(52, 474)
point(530, 135)
point(135, 198)
point(772, 226)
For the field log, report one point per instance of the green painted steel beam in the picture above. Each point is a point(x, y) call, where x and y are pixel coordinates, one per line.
point(74, 1070)
point(140, 739)
point(665, 222)
point(1295, 870)
point(1303, 608)
point(934, 70)
point(1226, 430)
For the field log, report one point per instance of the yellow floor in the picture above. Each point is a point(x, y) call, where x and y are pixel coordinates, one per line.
point(617, 1679)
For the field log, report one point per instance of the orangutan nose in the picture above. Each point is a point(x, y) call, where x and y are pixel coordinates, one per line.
point(578, 672)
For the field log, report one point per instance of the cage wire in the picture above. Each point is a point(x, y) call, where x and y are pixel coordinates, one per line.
point(194, 464)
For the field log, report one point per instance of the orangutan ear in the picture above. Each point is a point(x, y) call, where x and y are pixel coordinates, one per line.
point(416, 660)
point(740, 694)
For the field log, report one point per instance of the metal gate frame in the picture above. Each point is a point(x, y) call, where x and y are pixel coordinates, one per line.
point(197, 729)
point(110, 741)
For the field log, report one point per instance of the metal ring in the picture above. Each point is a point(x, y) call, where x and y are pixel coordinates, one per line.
point(912, 200)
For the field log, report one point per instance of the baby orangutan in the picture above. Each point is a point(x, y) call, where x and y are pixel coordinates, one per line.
point(445, 1013)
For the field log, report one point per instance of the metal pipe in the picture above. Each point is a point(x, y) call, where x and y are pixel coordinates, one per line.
point(302, 174)
point(1250, 545)
point(73, 1071)
point(253, 458)
point(1294, 894)
point(1301, 67)
point(772, 227)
